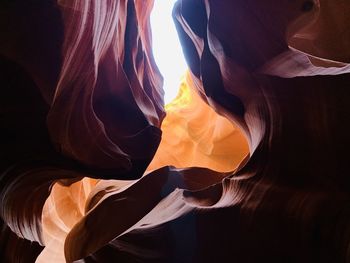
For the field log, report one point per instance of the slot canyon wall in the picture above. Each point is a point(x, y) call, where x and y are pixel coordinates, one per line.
point(248, 164)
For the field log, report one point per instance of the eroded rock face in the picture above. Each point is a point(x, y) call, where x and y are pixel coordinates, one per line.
point(82, 97)
point(294, 117)
point(193, 136)
point(270, 68)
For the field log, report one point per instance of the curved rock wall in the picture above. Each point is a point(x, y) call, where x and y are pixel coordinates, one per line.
point(278, 71)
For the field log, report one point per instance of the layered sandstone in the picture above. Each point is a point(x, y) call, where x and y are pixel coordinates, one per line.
point(253, 161)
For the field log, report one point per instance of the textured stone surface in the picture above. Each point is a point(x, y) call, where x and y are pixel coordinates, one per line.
point(87, 103)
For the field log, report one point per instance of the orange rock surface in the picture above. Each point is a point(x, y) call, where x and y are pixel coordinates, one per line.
point(194, 135)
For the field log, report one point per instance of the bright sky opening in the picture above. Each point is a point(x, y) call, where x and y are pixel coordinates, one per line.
point(166, 48)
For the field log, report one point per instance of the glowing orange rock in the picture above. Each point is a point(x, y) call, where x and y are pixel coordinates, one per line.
point(194, 135)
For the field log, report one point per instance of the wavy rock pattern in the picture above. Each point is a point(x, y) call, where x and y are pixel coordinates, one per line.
point(70, 209)
point(277, 70)
point(83, 99)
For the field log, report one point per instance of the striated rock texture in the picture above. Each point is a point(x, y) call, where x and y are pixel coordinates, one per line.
point(81, 97)
point(86, 103)
point(75, 215)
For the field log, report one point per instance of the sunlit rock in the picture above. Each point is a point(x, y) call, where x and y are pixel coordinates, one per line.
point(92, 109)
point(194, 135)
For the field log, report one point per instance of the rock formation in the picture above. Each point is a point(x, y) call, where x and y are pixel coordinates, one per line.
point(253, 161)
